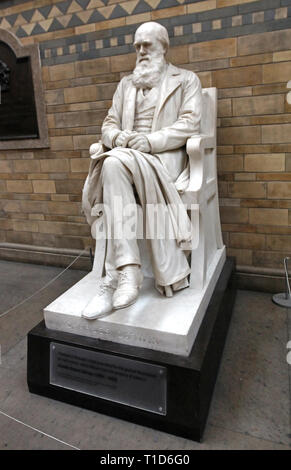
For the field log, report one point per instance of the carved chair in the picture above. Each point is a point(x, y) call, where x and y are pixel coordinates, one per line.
point(201, 198)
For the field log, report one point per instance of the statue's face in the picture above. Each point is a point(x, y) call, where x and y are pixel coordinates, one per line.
point(147, 45)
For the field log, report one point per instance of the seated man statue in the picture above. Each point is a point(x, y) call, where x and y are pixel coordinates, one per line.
point(143, 161)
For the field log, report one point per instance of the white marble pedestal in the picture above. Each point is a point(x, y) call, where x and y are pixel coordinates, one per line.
point(154, 322)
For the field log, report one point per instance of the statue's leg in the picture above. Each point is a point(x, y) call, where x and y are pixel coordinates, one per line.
point(122, 249)
point(119, 200)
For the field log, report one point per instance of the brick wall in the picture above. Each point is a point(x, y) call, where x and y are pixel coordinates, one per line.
point(242, 47)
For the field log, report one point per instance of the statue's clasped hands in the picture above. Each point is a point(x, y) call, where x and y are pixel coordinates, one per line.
point(132, 139)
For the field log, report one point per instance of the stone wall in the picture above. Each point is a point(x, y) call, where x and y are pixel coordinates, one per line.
point(241, 47)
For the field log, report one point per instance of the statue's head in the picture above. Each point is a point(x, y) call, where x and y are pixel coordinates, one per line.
point(151, 42)
point(150, 39)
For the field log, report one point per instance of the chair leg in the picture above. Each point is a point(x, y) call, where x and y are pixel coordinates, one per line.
point(198, 258)
point(218, 233)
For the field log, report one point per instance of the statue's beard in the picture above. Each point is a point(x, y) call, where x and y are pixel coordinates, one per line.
point(148, 73)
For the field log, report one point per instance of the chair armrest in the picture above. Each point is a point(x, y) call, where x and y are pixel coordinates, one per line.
point(195, 147)
point(207, 141)
point(96, 149)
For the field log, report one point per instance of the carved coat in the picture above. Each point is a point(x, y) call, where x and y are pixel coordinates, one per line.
point(177, 116)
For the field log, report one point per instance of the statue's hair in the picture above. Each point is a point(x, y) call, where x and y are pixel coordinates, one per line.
point(159, 30)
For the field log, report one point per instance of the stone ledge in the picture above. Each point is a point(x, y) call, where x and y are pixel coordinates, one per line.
point(61, 257)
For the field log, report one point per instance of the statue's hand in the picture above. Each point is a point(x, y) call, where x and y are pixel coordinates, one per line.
point(139, 142)
point(122, 138)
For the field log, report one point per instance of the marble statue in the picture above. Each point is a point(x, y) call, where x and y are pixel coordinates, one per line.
point(151, 198)
point(142, 157)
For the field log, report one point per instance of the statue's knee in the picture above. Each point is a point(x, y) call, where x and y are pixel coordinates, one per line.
point(111, 164)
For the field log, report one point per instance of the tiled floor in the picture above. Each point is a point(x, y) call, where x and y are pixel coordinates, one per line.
point(251, 402)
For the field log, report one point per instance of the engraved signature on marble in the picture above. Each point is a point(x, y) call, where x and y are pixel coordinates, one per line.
point(105, 332)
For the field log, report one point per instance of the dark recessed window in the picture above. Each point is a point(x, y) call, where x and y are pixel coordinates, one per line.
point(18, 118)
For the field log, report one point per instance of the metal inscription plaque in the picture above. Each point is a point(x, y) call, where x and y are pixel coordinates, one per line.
point(109, 377)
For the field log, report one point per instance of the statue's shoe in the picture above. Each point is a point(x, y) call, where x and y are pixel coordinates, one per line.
point(129, 283)
point(101, 304)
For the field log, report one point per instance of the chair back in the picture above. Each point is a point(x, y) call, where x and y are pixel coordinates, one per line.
point(209, 113)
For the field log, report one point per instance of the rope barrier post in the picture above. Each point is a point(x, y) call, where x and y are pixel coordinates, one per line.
point(284, 298)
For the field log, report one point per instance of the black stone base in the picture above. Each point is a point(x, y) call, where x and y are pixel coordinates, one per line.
point(190, 380)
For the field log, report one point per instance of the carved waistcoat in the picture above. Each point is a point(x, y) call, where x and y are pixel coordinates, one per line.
point(144, 110)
